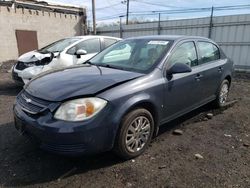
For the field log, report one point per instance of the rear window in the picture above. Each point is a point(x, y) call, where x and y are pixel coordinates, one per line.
point(208, 52)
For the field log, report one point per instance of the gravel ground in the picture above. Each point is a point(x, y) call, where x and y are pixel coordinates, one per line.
point(222, 143)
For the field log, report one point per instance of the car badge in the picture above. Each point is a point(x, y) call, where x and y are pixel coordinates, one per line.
point(28, 100)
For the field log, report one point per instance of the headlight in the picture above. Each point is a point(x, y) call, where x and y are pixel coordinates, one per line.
point(80, 109)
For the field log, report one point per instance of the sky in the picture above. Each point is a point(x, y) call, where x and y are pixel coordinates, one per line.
point(106, 9)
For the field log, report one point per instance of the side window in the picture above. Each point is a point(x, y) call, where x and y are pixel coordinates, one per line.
point(208, 52)
point(90, 45)
point(107, 42)
point(185, 53)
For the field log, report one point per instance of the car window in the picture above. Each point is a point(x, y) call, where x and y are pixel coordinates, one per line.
point(208, 52)
point(90, 45)
point(107, 42)
point(138, 55)
point(58, 46)
point(185, 53)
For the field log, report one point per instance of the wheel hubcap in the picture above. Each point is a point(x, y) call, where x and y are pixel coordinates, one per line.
point(224, 93)
point(137, 134)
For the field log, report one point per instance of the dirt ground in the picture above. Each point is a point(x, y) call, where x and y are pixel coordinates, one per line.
point(170, 161)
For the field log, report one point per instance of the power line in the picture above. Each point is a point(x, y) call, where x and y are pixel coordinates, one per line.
point(181, 11)
point(188, 10)
point(101, 8)
point(111, 17)
point(155, 4)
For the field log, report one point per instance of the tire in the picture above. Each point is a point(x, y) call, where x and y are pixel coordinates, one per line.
point(135, 134)
point(222, 94)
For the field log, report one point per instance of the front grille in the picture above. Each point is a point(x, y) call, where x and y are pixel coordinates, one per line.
point(31, 104)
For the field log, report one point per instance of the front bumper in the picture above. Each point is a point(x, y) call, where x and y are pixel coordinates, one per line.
point(68, 138)
point(24, 75)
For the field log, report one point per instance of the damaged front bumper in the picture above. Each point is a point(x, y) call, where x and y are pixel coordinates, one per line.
point(15, 76)
point(30, 65)
point(22, 77)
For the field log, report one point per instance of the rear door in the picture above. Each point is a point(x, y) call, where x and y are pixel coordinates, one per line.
point(182, 91)
point(211, 67)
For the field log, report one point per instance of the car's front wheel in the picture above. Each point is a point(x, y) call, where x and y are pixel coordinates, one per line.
point(135, 134)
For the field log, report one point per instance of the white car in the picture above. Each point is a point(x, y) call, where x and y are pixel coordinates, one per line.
point(62, 53)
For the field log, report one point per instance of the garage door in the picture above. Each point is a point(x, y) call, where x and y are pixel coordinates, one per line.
point(26, 41)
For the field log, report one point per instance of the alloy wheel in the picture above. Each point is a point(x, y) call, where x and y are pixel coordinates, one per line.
point(224, 93)
point(138, 133)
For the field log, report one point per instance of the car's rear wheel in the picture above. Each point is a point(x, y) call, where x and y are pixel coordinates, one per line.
point(222, 95)
point(135, 134)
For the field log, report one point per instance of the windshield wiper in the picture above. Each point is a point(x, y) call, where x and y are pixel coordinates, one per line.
point(110, 66)
point(88, 62)
point(103, 65)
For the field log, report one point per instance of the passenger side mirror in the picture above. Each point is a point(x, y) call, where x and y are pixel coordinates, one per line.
point(80, 52)
point(178, 68)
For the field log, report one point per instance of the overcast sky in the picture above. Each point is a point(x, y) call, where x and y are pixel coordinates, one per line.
point(108, 8)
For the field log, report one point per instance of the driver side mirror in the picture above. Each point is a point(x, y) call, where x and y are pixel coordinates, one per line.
point(80, 52)
point(178, 68)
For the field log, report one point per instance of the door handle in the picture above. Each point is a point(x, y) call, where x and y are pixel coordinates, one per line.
point(220, 69)
point(198, 77)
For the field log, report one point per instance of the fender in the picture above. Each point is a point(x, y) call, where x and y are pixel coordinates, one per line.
point(140, 99)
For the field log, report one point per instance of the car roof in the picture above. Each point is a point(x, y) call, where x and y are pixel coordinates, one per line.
point(170, 37)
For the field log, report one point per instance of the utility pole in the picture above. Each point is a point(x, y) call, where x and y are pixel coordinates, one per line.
point(93, 13)
point(127, 12)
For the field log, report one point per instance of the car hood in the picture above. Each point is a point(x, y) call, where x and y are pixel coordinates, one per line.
point(72, 82)
point(33, 56)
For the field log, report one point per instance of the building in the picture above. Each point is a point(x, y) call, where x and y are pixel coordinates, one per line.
point(31, 24)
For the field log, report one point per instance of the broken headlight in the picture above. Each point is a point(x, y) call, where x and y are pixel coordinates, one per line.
point(80, 109)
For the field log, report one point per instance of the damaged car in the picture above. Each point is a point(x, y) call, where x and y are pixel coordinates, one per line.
point(62, 53)
point(118, 99)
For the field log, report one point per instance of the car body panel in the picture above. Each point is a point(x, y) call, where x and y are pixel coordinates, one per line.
point(86, 80)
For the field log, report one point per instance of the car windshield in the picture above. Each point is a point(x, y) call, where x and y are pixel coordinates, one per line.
point(137, 55)
point(58, 46)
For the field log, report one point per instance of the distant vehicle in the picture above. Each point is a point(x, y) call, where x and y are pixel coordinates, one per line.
point(62, 53)
point(119, 98)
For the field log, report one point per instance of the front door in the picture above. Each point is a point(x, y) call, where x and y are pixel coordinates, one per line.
point(183, 89)
point(92, 47)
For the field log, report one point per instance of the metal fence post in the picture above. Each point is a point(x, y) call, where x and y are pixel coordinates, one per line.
point(211, 23)
point(120, 26)
point(159, 24)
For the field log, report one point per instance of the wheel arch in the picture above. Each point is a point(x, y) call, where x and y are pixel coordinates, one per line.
point(135, 103)
point(148, 105)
